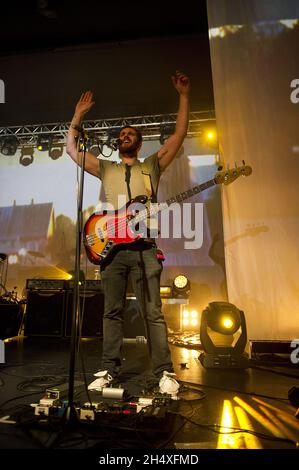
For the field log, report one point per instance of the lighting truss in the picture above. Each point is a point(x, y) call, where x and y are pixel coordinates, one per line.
point(148, 125)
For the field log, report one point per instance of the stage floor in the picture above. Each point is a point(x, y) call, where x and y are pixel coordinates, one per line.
point(213, 412)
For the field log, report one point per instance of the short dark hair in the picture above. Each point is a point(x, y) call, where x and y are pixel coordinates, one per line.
point(138, 133)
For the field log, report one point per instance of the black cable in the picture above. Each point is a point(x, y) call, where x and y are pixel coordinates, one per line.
point(16, 398)
point(186, 388)
point(40, 383)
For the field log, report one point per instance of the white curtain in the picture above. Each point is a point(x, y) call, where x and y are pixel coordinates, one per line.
point(254, 55)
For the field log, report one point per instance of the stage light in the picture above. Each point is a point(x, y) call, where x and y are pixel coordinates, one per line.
point(165, 291)
point(26, 157)
point(81, 275)
point(56, 147)
point(223, 336)
point(9, 145)
point(189, 320)
point(181, 286)
point(56, 151)
point(13, 259)
point(44, 142)
point(209, 135)
point(166, 130)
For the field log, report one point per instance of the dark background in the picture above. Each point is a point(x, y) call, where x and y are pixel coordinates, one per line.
point(125, 52)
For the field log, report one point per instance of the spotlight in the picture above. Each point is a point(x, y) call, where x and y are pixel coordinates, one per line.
point(71, 275)
point(166, 130)
point(13, 259)
point(9, 145)
point(44, 142)
point(189, 320)
point(55, 150)
point(223, 336)
point(26, 157)
point(165, 292)
point(210, 137)
point(181, 286)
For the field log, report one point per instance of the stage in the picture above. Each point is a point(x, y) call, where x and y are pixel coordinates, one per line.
point(217, 408)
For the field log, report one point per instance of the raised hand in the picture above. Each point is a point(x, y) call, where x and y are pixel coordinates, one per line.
point(85, 103)
point(181, 82)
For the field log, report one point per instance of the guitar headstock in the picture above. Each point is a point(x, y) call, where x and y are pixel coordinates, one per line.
point(229, 175)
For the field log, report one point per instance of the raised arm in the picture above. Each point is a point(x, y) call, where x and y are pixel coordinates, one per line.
point(92, 164)
point(172, 145)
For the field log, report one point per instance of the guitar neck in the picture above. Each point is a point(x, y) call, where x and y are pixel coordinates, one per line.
point(190, 192)
point(158, 207)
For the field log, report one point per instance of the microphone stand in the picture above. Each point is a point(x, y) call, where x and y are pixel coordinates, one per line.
point(70, 416)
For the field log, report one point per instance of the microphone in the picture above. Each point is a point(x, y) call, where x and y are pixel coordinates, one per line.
point(115, 143)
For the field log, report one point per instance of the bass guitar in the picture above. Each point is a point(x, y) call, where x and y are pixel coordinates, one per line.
point(104, 232)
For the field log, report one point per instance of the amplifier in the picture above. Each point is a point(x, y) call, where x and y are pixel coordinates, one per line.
point(45, 284)
point(10, 319)
point(45, 314)
point(87, 284)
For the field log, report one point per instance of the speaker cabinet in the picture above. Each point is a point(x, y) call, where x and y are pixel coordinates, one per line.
point(10, 320)
point(91, 310)
point(45, 313)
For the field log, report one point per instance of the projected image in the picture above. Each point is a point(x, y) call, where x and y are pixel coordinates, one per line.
point(38, 218)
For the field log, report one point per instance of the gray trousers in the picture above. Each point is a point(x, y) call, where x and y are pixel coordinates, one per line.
point(145, 270)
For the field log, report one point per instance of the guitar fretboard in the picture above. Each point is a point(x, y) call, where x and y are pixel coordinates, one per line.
point(157, 207)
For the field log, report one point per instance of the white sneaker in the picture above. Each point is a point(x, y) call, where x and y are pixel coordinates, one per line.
point(104, 379)
point(168, 384)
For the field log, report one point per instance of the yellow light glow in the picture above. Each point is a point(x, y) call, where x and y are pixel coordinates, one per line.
point(180, 281)
point(251, 441)
point(211, 135)
point(227, 323)
point(165, 290)
point(194, 322)
point(194, 314)
point(227, 441)
point(185, 322)
point(186, 313)
point(280, 426)
point(260, 417)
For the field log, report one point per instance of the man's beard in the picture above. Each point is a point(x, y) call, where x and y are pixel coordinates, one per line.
point(130, 151)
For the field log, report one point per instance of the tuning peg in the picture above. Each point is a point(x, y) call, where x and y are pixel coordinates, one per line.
point(243, 161)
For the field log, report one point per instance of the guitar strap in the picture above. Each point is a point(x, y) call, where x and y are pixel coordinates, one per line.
point(147, 181)
point(150, 193)
point(127, 180)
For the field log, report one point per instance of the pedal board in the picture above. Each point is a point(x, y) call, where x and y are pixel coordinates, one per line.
point(147, 413)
